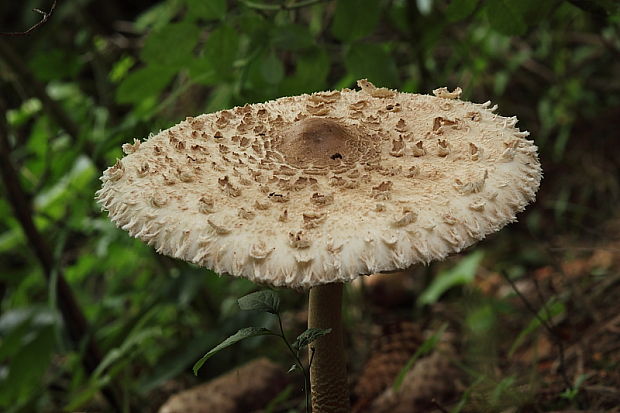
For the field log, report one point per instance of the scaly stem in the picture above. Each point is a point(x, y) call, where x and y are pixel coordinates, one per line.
point(328, 372)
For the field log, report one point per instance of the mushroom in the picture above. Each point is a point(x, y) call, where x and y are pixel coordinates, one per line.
point(306, 192)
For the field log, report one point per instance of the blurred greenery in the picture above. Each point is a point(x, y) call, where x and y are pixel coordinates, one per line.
point(99, 74)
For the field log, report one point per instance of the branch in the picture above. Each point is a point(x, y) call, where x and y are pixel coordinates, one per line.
point(74, 320)
point(44, 19)
point(557, 340)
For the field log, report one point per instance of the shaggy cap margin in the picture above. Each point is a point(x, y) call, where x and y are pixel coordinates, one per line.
point(322, 188)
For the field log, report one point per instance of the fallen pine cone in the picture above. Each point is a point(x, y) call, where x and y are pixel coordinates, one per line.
point(431, 379)
point(242, 390)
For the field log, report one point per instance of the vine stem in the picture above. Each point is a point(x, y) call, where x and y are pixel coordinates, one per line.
point(297, 363)
point(547, 326)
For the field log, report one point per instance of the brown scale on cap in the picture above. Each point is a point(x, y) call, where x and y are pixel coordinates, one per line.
point(158, 200)
point(324, 170)
point(206, 205)
point(131, 148)
point(260, 250)
point(228, 187)
point(418, 149)
point(322, 200)
point(443, 147)
point(143, 169)
point(115, 172)
point(398, 147)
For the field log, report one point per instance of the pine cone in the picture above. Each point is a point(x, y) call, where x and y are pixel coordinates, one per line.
point(242, 390)
point(391, 350)
point(431, 378)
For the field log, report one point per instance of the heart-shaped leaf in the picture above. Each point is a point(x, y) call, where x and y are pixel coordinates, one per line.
point(309, 336)
point(238, 336)
point(265, 300)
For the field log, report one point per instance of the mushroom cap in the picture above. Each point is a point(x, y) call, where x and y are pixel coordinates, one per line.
point(322, 188)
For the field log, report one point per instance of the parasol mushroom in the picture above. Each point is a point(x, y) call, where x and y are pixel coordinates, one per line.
point(311, 191)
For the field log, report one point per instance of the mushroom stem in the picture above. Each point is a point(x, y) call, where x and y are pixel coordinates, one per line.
point(328, 371)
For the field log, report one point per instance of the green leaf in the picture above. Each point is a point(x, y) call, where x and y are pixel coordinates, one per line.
point(20, 326)
point(201, 71)
point(216, 63)
point(54, 200)
point(572, 392)
point(28, 109)
point(175, 361)
point(254, 25)
point(426, 347)
point(460, 9)
point(120, 69)
point(371, 61)
point(310, 74)
point(506, 16)
point(503, 390)
point(219, 99)
point(462, 273)
point(28, 366)
point(481, 320)
point(144, 83)
point(207, 9)
point(355, 19)
point(172, 45)
point(124, 352)
point(221, 49)
point(309, 336)
point(238, 336)
point(157, 16)
point(55, 64)
point(292, 37)
point(271, 68)
point(265, 300)
point(27, 342)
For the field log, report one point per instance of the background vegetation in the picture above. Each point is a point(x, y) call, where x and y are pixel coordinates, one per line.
point(92, 319)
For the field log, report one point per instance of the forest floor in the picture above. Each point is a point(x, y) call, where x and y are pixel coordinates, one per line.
point(555, 346)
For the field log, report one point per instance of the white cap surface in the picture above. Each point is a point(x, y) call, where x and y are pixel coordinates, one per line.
point(322, 188)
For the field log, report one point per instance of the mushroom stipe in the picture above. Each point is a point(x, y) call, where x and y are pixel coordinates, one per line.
point(319, 189)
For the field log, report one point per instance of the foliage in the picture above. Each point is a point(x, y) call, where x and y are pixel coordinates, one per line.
point(98, 74)
point(268, 301)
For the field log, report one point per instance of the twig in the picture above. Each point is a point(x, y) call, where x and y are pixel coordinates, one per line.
point(74, 319)
point(44, 19)
point(554, 336)
point(557, 265)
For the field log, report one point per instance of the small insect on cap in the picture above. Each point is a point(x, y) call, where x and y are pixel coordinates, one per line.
point(322, 188)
